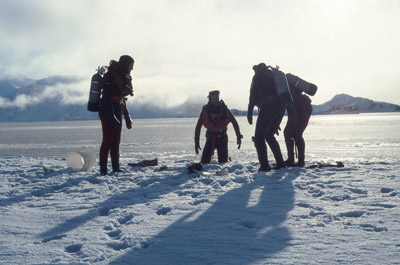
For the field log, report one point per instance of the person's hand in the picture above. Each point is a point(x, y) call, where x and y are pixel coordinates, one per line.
point(239, 140)
point(250, 117)
point(197, 146)
point(128, 121)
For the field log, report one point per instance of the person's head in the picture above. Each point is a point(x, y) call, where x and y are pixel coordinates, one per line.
point(260, 67)
point(213, 97)
point(125, 63)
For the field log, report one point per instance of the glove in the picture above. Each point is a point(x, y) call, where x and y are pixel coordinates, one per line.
point(250, 117)
point(250, 114)
point(239, 140)
point(128, 121)
point(197, 146)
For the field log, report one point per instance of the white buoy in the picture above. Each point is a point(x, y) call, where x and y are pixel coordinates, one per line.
point(81, 160)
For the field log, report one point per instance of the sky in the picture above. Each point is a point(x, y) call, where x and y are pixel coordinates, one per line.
point(183, 49)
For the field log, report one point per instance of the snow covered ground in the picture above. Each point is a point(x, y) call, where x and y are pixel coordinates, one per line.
point(347, 215)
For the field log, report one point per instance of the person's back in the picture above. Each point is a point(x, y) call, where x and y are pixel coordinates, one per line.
point(264, 95)
point(262, 88)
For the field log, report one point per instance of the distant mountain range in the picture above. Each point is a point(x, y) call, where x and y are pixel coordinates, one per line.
point(61, 98)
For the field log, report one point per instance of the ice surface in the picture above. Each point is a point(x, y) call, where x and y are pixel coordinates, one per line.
point(344, 215)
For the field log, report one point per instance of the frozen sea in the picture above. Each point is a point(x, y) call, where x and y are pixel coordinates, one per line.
point(347, 215)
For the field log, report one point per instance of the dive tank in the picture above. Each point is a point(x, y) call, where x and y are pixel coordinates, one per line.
point(95, 90)
point(282, 87)
point(301, 84)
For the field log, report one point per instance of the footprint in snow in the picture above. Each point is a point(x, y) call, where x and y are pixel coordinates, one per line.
point(248, 224)
point(104, 211)
point(73, 248)
point(163, 210)
point(386, 190)
point(56, 237)
point(116, 234)
point(123, 220)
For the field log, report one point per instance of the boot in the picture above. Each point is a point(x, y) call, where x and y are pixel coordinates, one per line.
point(290, 161)
point(103, 167)
point(115, 164)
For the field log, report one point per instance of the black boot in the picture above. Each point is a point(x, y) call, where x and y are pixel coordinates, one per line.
point(115, 164)
point(290, 161)
point(103, 167)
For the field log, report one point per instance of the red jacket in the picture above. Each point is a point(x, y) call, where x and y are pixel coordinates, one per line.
point(216, 119)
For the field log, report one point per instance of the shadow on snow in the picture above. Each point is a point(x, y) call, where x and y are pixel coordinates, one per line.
point(231, 231)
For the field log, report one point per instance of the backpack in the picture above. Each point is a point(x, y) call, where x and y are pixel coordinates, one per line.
point(282, 87)
point(96, 87)
point(306, 87)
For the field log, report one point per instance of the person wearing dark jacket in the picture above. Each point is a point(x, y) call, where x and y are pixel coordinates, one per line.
point(215, 116)
point(117, 85)
point(264, 95)
point(295, 126)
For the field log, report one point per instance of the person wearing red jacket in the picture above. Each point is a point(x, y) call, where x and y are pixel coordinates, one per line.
point(117, 85)
point(215, 116)
point(296, 124)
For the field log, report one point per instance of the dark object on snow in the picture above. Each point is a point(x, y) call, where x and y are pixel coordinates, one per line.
point(145, 163)
point(321, 165)
point(48, 169)
point(162, 168)
point(194, 167)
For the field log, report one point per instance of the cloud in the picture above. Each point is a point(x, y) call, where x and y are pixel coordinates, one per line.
point(186, 48)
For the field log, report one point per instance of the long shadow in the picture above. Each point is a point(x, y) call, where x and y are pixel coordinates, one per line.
point(231, 231)
point(120, 200)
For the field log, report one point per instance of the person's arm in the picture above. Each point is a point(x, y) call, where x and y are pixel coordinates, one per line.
point(197, 135)
point(252, 100)
point(235, 125)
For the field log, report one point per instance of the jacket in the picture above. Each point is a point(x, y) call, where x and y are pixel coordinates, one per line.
point(216, 120)
point(116, 88)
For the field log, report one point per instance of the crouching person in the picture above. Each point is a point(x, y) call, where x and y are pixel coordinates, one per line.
point(215, 116)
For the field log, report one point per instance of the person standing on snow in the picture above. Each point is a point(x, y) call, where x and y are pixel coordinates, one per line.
point(117, 85)
point(295, 126)
point(215, 116)
point(264, 95)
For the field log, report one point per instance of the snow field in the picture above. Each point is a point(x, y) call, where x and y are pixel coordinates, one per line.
point(305, 216)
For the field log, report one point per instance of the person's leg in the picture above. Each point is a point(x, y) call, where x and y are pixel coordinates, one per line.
point(221, 144)
point(263, 123)
point(302, 122)
point(114, 151)
point(289, 132)
point(105, 144)
point(271, 140)
point(208, 150)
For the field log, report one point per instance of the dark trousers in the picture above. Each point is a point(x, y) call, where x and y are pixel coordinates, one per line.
point(268, 121)
point(219, 142)
point(110, 144)
point(295, 127)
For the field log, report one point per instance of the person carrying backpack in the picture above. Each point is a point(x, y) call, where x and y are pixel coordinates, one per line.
point(263, 94)
point(215, 116)
point(295, 126)
point(117, 85)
